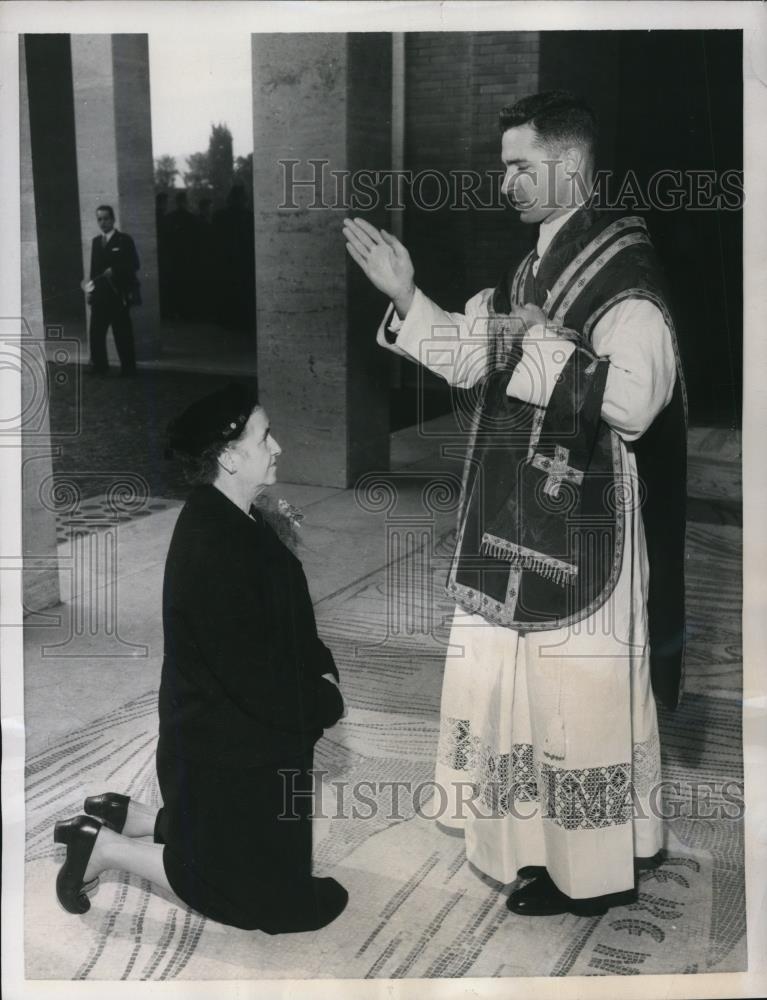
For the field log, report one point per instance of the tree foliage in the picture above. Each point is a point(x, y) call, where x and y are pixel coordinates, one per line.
point(220, 159)
point(165, 173)
point(197, 176)
point(211, 173)
point(243, 173)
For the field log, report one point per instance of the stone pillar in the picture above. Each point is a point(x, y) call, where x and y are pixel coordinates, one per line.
point(41, 575)
point(54, 167)
point(321, 375)
point(110, 79)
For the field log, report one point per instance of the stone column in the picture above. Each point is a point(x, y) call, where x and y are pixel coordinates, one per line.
point(321, 376)
point(41, 575)
point(113, 133)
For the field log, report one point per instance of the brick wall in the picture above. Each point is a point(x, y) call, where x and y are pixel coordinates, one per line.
point(455, 85)
point(662, 99)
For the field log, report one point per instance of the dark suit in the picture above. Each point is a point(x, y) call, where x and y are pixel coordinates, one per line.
point(109, 299)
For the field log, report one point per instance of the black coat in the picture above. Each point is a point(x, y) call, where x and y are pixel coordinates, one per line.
point(119, 254)
point(241, 676)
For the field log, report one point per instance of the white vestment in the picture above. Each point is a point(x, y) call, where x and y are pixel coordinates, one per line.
point(549, 751)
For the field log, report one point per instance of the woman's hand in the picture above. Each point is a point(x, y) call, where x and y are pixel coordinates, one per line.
point(332, 679)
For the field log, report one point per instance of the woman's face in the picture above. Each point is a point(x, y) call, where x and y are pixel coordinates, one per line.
point(256, 452)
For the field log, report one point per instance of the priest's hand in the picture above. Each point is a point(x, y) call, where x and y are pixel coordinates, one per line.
point(528, 315)
point(384, 260)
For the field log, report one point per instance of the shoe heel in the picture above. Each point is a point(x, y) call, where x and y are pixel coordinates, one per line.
point(109, 808)
point(72, 900)
point(64, 830)
point(92, 806)
point(80, 835)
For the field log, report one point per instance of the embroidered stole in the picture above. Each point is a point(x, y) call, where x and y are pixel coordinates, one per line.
point(541, 520)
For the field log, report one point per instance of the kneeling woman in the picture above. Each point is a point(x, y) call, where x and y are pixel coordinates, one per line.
point(247, 689)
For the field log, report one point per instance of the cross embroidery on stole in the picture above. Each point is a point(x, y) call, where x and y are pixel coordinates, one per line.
point(558, 470)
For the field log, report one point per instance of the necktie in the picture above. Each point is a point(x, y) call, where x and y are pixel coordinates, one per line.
point(528, 292)
point(540, 284)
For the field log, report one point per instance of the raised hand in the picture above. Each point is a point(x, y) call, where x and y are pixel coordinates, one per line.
point(384, 261)
point(529, 315)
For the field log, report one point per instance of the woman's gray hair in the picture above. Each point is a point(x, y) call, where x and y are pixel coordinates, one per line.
point(202, 469)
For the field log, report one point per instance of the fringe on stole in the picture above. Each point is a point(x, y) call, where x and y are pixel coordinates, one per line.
point(537, 562)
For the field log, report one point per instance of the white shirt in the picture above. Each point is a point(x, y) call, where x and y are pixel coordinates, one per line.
point(633, 335)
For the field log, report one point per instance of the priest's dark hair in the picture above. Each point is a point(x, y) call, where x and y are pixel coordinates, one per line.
point(106, 208)
point(559, 118)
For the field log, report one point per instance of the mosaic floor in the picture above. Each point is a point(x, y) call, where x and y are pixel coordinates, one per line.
point(417, 909)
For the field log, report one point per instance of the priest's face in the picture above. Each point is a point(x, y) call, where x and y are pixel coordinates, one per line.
point(534, 175)
point(256, 452)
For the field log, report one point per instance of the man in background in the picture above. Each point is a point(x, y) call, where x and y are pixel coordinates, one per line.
point(111, 290)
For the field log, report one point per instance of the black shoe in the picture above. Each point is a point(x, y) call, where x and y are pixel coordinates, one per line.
point(541, 898)
point(651, 863)
point(79, 835)
point(640, 865)
point(531, 871)
point(111, 809)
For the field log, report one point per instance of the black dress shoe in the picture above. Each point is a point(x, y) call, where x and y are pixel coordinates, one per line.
point(651, 863)
point(640, 865)
point(541, 898)
point(111, 809)
point(79, 835)
point(531, 871)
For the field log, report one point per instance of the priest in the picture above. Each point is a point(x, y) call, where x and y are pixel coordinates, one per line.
point(568, 570)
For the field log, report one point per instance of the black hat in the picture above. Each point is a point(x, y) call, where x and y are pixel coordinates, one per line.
point(217, 418)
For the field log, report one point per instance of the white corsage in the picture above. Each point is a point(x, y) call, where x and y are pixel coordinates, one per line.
point(293, 514)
